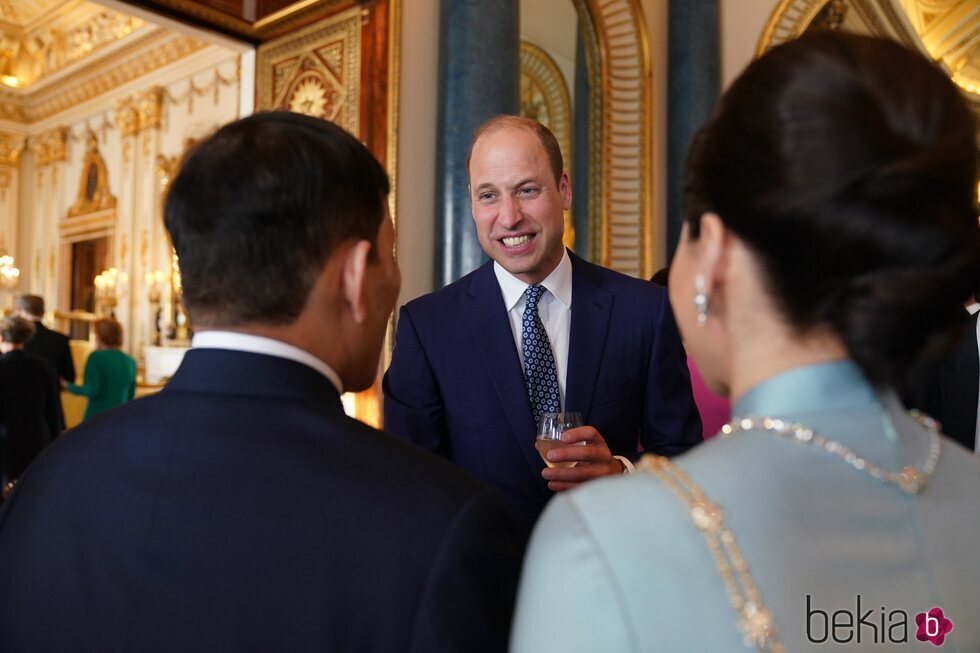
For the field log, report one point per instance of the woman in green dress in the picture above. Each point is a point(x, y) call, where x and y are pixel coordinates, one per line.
point(110, 374)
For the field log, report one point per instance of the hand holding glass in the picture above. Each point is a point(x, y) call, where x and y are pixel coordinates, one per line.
point(550, 428)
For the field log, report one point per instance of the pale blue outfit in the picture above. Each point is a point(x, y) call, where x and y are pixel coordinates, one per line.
point(618, 565)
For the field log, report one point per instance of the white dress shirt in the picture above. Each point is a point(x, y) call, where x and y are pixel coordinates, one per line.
point(234, 341)
point(554, 307)
point(555, 310)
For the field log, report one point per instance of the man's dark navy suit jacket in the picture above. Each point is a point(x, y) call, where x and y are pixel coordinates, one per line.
point(455, 384)
point(241, 510)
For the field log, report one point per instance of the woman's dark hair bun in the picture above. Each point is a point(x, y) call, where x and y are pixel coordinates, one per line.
point(848, 165)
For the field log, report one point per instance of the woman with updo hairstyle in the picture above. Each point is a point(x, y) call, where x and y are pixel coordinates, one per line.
point(110, 373)
point(829, 243)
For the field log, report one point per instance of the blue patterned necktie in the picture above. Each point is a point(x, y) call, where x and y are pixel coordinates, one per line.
point(539, 362)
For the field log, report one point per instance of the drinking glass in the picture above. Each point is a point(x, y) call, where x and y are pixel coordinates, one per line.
point(550, 428)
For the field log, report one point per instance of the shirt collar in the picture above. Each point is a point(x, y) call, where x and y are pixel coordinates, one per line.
point(558, 283)
point(235, 341)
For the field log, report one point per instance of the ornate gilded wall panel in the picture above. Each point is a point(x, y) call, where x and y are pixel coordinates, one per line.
point(315, 71)
point(624, 239)
point(93, 186)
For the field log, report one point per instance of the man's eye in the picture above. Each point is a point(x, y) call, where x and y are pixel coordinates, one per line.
point(485, 197)
point(527, 191)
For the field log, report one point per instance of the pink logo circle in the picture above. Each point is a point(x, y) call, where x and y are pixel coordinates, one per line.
point(933, 626)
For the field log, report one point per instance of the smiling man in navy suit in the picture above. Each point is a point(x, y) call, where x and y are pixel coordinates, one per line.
point(239, 509)
point(472, 370)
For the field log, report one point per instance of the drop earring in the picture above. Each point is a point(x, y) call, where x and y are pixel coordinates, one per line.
point(701, 299)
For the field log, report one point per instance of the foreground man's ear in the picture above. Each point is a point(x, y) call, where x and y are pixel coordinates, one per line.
point(355, 266)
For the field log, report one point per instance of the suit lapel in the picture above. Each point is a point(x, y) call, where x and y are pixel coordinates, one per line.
point(487, 318)
point(591, 309)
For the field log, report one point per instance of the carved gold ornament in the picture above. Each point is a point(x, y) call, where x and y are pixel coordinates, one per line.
point(315, 71)
point(93, 186)
point(310, 97)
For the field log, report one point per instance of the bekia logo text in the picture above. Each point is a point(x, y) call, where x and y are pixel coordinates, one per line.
point(874, 626)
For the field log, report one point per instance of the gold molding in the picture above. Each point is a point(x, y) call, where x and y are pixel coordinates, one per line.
point(50, 146)
point(258, 30)
point(141, 57)
point(148, 104)
point(94, 225)
point(10, 149)
point(127, 119)
point(93, 185)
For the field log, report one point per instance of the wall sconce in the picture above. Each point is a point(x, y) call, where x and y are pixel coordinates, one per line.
point(9, 275)
point(108, 285)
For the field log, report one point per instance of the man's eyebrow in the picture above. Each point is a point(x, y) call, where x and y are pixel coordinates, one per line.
point(485, 186)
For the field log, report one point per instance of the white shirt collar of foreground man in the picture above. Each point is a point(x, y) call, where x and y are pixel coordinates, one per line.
point(259, 345)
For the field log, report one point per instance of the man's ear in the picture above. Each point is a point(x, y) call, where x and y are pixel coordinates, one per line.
point(565, 191)
point(353, 277)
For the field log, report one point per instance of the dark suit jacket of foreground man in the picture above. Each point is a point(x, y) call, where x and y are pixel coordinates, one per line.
point(241, 510)
point(456, 386)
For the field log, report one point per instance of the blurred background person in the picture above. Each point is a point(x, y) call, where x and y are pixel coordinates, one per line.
point(28, 414)
point(110, 373)
point(47, 344)
point(830, 238)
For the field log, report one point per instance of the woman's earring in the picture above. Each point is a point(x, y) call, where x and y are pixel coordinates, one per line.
point(701, 299)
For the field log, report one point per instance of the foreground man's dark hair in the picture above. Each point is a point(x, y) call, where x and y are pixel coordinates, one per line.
point(257, 209)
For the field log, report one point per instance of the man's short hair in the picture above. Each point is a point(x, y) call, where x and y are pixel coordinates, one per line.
point(547, 139)
point(16, 330)
point(257, 209)
point(31, 304)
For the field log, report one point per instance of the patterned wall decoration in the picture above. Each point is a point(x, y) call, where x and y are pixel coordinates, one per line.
point(545, 98)
point(315, 71)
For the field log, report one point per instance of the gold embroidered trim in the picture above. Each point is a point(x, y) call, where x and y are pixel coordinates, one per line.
point(754, 622)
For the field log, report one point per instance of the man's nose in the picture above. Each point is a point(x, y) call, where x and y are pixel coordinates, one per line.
point(510, 213)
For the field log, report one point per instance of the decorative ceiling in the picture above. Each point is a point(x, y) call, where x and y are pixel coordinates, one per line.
point(56, 54)
point(21, 13)
point(39, 38)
